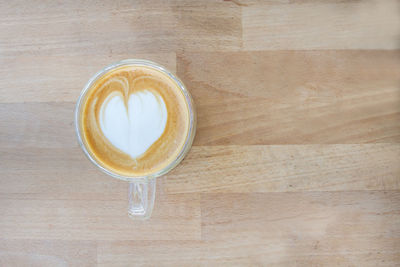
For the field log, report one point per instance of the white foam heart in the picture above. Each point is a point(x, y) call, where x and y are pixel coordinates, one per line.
point(134, 130)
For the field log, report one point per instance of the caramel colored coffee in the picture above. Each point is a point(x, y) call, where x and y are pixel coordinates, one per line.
point(134, 120)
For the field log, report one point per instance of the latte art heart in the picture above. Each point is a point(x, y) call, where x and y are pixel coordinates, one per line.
point(135, 120)
point(133, 127)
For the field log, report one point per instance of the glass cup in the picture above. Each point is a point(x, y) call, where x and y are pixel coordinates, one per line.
point(141, 189)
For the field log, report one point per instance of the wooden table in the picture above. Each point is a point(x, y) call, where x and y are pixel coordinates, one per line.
point(296, 161)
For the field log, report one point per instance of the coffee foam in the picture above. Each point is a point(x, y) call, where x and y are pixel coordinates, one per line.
point(134, 130)
point(135, 120)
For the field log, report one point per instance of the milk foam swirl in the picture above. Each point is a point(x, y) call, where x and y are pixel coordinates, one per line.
point(135, 127)
point(135, 120)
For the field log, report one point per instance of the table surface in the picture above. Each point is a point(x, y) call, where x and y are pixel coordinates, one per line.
point(297, 155)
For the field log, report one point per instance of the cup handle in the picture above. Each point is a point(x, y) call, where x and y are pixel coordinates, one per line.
point(141, 198)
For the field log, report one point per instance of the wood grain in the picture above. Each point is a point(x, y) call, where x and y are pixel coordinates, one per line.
point(97, 217)
point(119, 27)
point(289, 229)
point(294, 97)
point(282, 168)
point(319, 24)
point(316, 228)
point(47, 253)
point(296, 161)
point(42, 125)
point(61, 173)
point(59, 79)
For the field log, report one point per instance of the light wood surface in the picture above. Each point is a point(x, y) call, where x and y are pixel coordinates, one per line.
point(296, 161)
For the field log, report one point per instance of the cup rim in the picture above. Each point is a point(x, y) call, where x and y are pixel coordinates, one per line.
point(192, 118)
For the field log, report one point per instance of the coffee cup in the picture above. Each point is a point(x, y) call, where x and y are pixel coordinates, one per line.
point(135, 121)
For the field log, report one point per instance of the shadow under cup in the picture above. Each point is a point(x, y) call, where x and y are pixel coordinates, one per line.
point(141, 188)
